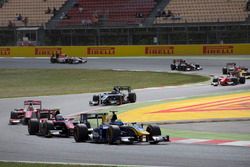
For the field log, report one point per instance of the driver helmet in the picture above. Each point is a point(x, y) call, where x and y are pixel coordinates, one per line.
point(59, 117)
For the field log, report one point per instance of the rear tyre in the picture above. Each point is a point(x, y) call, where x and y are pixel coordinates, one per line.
point(53, 60)
point(173, 67)
point(153, 130)
point(80, 133)
point(113, 134)
point(242, 80)
point(224, 70)
point(132, 97)
point(235, 81)
point(96, 98)
point(33, 126)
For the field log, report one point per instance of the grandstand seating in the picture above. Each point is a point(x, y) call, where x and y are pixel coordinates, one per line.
point(34, 10)
point(109, 12)
point(122, 12)
point(204, 11)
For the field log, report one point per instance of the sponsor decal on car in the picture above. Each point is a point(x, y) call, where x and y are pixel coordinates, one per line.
point(47, 51)
point(159, 50)
point(218, 49)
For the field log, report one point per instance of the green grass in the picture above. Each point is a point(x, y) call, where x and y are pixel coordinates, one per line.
point(38, 82)
point(19, 164)
point(204, 135)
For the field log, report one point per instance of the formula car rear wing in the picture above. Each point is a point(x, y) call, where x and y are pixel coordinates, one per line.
point(33, 102)
point(121, 88)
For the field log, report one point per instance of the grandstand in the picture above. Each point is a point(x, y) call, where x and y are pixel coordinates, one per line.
point(109, 13)
point(33, 10)
point(122, 22)
point(202, 11)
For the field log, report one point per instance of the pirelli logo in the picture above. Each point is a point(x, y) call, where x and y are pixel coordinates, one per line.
point(47, 51)
point(217, 50)
point(101, 51)
point(4, 51)
point(159, 50)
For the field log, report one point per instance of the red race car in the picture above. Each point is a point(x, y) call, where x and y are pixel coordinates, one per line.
point(24, 114)
point(228, 80)
point(49, 122)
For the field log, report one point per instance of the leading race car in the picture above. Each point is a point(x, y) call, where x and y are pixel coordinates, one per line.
point(49, 122)
point(24, 114)
point(119, 95)
point(232, 68)
point(64, 59)
point(227, 80)
point(182, 65)
point(114, 132)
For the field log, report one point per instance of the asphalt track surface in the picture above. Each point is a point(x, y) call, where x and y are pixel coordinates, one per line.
point(17, 145)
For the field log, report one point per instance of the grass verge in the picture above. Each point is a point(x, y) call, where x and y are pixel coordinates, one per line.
point(38, 82)
point(204, 135)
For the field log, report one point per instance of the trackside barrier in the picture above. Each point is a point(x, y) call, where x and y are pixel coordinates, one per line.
point(125, 51)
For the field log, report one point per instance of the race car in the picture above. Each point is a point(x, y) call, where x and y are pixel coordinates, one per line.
point(16, 116)
point(64, 59)
point(23, 115)
point(119, 95)
point(49, 122)
point(232, 68)
point(245, 73)
point(115, 132)
point(227, 80)
point(182, 65)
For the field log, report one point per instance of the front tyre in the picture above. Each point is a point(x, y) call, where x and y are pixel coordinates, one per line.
point(80, 133)
point(113, 134)
point(132, 97)
point(33, 126)
point(242, 80)
point(153, 130)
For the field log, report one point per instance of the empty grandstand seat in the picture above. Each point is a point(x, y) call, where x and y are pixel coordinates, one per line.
point(34, 10)
point(200, 11)
point(109, 12)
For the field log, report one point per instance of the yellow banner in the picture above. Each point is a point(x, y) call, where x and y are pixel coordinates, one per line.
point(128, 50)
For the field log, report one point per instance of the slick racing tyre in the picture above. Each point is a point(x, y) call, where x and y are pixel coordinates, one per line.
point(53, 60)
point(132, 97)
point(153, 130)
point(197, 67)
point(47, 127)
point(235, 81)
point(242, 80)
point(33, 126)
point(13, 115)
point(80, 133)
point(25, 121)
point(224, 70)
point(173, 67)
point(96, 98)
point(113, 134)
